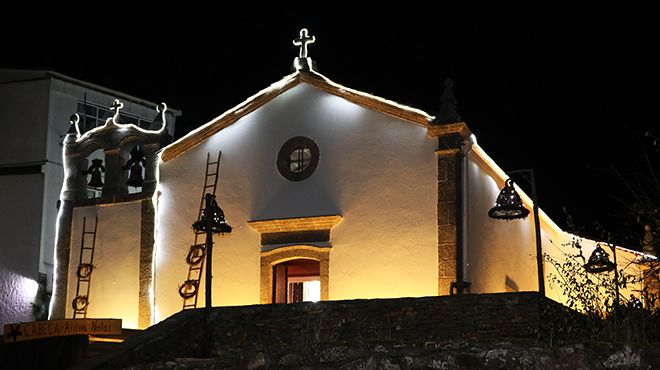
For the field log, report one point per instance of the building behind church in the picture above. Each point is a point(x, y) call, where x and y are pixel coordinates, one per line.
point(36, 106)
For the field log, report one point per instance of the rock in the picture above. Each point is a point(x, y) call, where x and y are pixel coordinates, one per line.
point(337, 354)
point(290, 360)
point(361, 364)
point(257, 361)
point(498, 358)
point(379, 348)
point(372, 363)
point(624, 359)
point(439, 360)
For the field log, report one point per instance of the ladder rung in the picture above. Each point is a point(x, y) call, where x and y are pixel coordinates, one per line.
point(90, 232)
point(211, 174)
point(210, 163)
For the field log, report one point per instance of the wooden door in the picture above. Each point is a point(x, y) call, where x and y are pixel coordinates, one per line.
point(280, 283)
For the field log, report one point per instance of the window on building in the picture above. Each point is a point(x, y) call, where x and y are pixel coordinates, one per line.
point(94, 115)
point(298, 158)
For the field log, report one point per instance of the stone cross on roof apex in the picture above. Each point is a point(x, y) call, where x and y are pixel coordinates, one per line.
point(302, 42)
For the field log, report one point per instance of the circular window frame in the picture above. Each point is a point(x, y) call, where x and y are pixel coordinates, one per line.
point(283, 158)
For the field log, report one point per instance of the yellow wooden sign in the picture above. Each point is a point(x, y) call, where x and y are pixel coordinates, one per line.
point(59, 328)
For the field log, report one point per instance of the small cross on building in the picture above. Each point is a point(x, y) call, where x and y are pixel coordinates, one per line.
point(302, 41)
point(117, 105)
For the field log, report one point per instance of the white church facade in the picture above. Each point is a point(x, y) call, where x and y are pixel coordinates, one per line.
point(331, 194)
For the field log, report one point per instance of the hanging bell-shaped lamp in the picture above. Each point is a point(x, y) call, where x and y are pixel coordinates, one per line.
point(599, 261)
point(635, 303)
point(213, 219)
point(508, 205)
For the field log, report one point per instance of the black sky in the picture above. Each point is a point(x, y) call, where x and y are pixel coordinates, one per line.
point(567, 96)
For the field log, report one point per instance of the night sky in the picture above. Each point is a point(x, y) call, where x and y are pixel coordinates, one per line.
point(569, 97)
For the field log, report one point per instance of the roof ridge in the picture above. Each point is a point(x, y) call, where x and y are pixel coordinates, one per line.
point(313, 78)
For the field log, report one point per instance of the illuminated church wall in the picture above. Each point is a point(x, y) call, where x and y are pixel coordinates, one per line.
point(501, 255)
point(378, 172)
point(114, 280)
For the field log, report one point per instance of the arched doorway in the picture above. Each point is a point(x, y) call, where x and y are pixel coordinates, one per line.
point(293, 264)
point(297, 280)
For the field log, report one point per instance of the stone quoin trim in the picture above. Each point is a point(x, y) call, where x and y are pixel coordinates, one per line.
point(295, 224)
point(281, 232)
point(145, 274)
point(450, 236)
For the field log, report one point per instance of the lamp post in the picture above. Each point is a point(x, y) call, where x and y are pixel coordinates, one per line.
point(212, 221)
point(508, 206)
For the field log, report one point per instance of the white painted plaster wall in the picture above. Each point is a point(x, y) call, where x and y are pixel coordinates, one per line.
point(21, 197)
point(376, 171)
point(17, 293)
point(114, 287)
point(23, 116)
point(499, 250)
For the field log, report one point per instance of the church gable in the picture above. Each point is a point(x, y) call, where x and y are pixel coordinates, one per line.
point(315, 79)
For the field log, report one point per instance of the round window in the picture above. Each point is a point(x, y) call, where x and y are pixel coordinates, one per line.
point(298, 158)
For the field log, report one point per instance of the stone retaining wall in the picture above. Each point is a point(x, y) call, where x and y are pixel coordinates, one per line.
point(505, 331)
point(331, 332)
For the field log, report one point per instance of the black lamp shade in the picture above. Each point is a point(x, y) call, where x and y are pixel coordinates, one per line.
point(635, 303)
point(599, 261)
point(508, 205)
point(213, 218)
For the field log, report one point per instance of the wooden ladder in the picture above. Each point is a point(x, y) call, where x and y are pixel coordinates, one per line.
point(197, 254)
point(84, 272)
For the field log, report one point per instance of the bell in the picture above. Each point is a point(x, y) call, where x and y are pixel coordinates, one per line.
point(508, 205)
point(213, 219)
point(135, 177)
point(95, 170)
point(599, 261)
point(134, 164)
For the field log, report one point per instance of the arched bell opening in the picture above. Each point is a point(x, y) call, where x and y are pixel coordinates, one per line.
point(94, 173)
point(133, 164)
